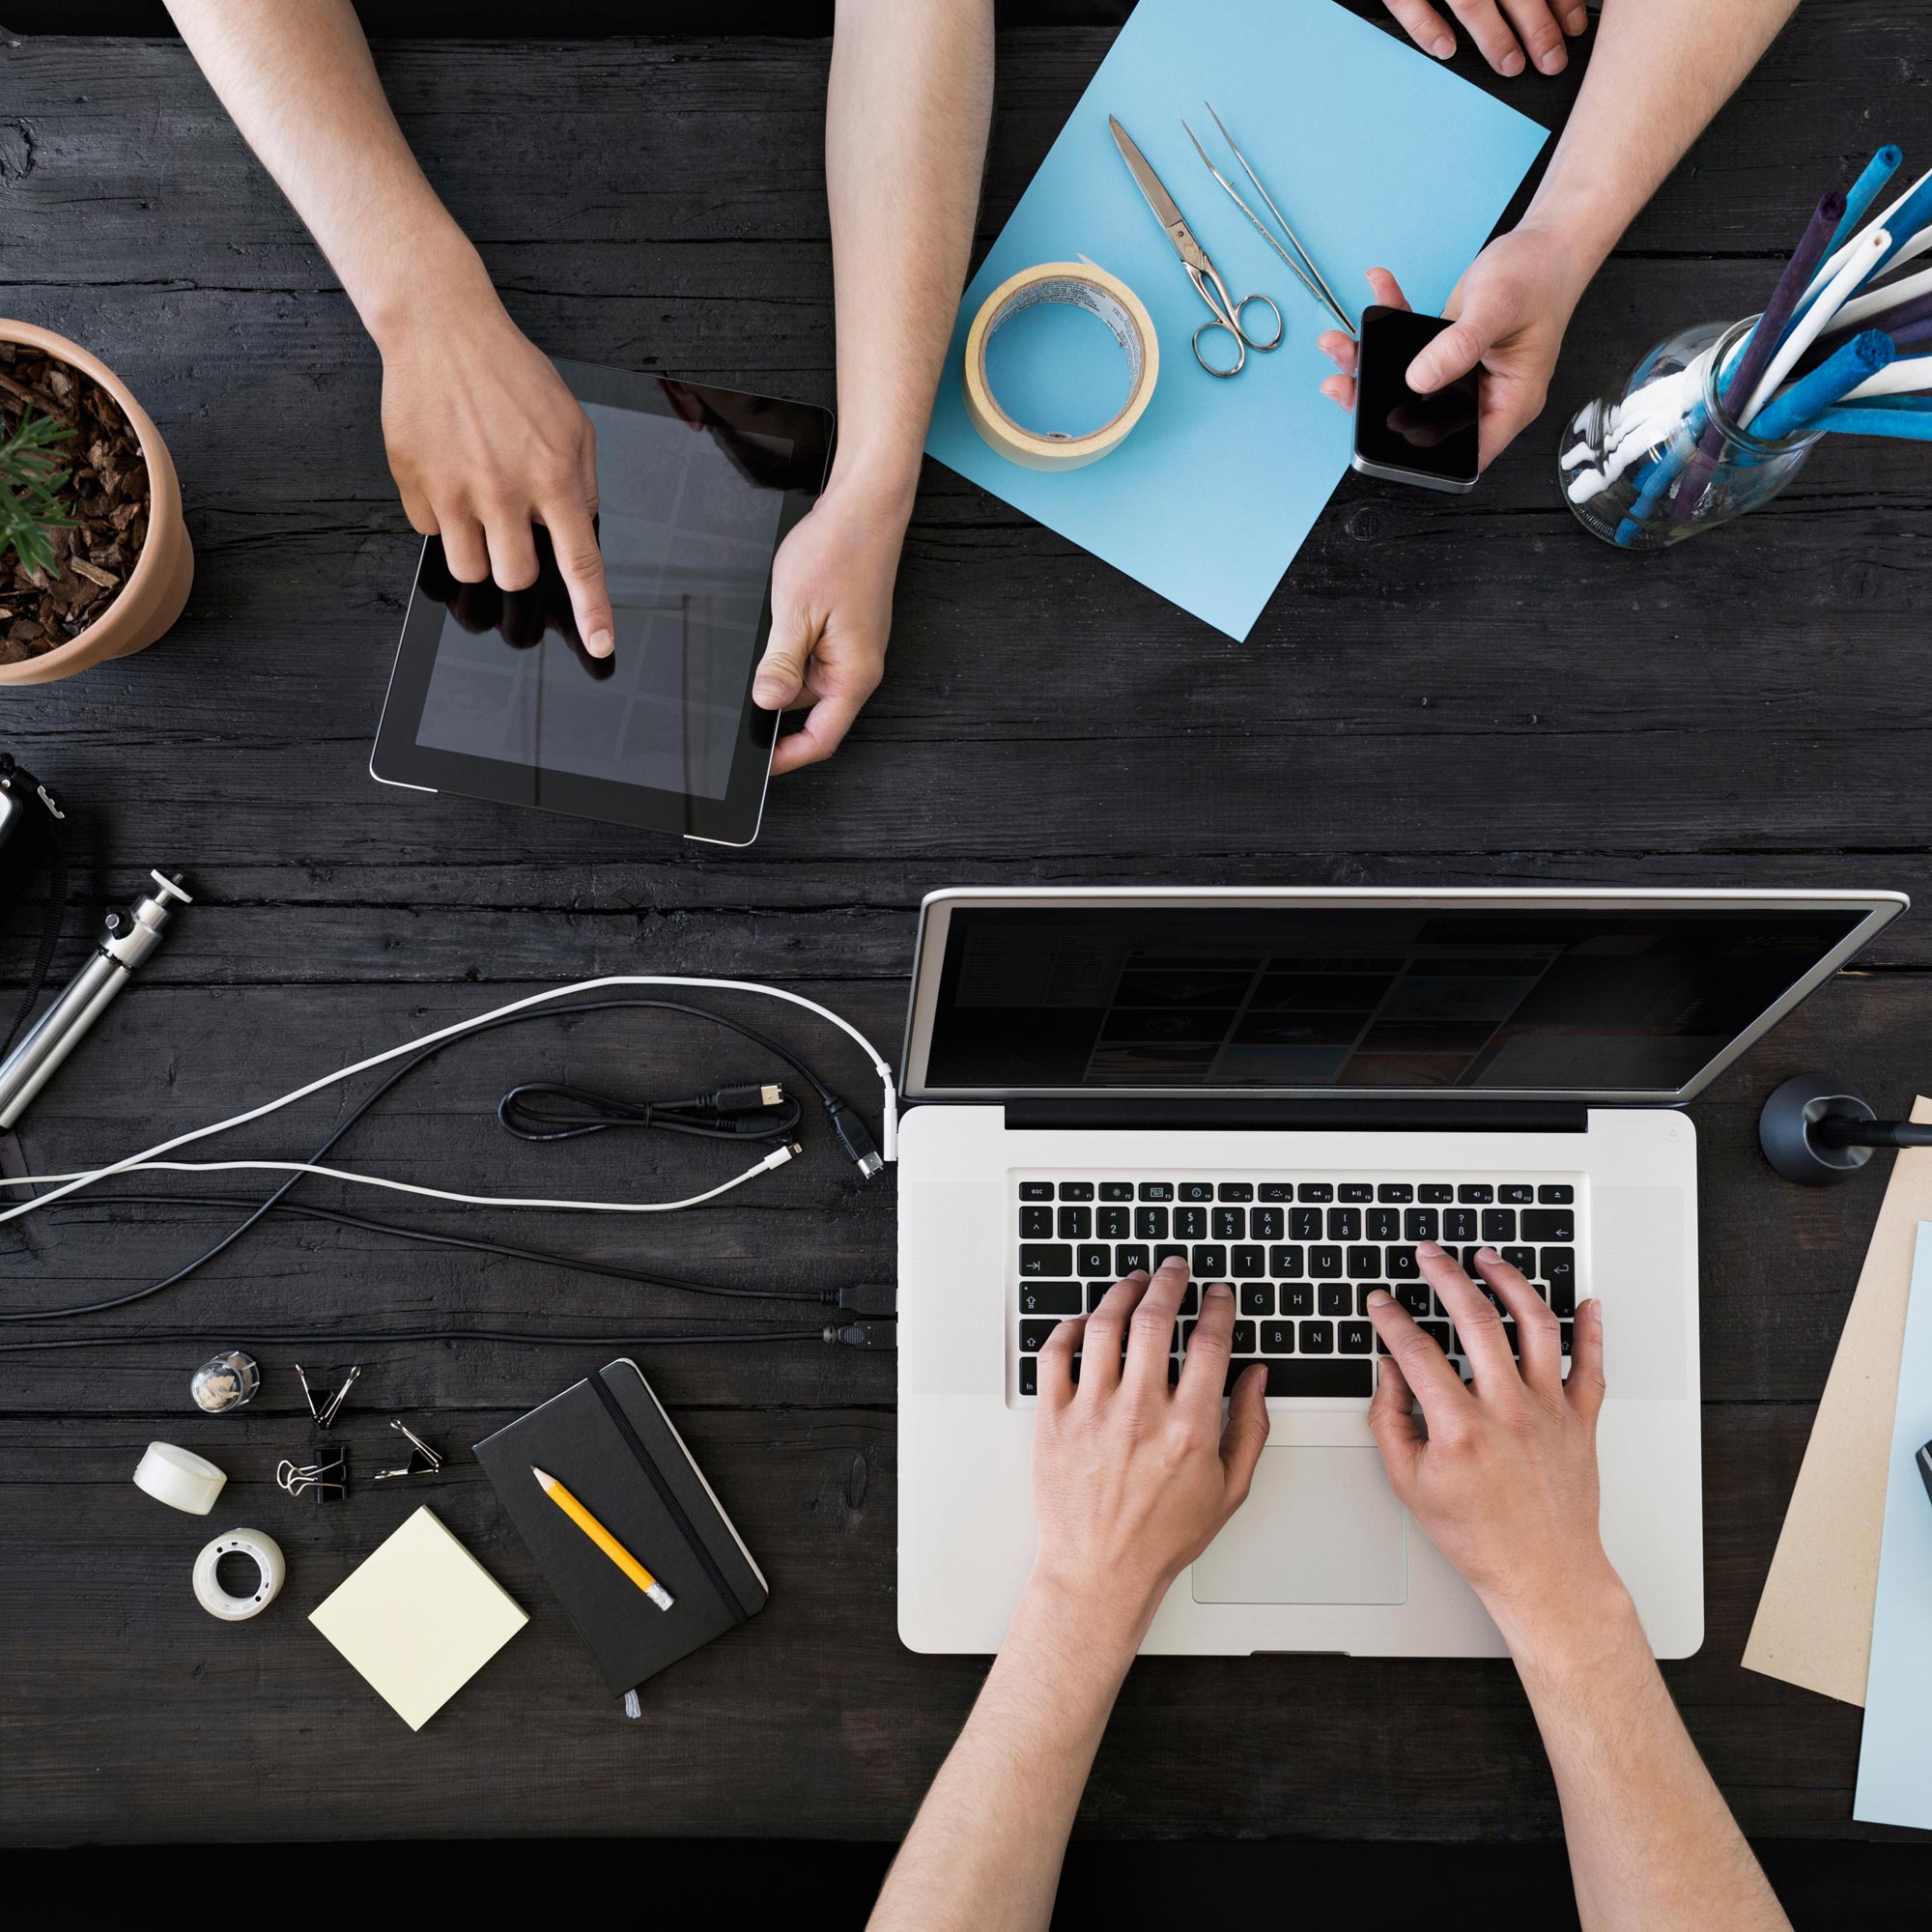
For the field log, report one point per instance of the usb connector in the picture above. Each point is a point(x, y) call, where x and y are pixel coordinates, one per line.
point(850, 1130)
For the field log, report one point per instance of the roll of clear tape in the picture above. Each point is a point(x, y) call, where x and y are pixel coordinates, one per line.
point(1079, 285)
point(259, 1547)
point(179, 1478)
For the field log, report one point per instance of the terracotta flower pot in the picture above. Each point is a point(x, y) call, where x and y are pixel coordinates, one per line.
point(147, 604)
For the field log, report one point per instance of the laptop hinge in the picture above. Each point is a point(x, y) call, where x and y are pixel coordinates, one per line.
point(1102, 1113)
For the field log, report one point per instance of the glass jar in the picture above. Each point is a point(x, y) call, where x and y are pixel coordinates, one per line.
point(1629, 467)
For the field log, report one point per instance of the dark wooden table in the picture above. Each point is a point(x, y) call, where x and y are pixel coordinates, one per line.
point(1443, 693)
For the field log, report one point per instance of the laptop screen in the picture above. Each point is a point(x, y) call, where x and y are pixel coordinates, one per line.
point(1373, 997)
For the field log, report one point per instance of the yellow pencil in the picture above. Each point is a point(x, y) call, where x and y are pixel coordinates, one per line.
point(602, 1538)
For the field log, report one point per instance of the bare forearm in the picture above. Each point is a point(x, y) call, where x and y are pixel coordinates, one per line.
point(1658, 71)
point(296, 79)
point(988, 1844)
point(906, 117)
point(1653, 1847)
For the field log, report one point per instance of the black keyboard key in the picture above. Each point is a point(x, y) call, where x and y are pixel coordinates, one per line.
point(1265, 1224)
point(1113, 1224)
point(1304, 1224)
point(1169, 1254)
point(1439, 1333)
point(1498, 1225)
point(1156, 1190)
point(1231, 1224)
point(1516, 1193)
point(1317, 1338)
point(1117, 1190)
point(1257, 1297)
point(1129, 1256)
point(1277, 1190)
point(1398, 1193)
point(1295, 1377)
point(1033, 1334)
point(1190, 1298)
point(1345, 1224)
point(1150, 1224)
point(1210, 1264)
point(1436, 1192)
point(1297, 1297)
point(1287, 1263)
point(1278, 1338)
point(1095, 1290)
point(1197, 1190)
point(1354, 1190)
point(1247, 1262)
point(1467, 1259)
point(1567, 1330)
point(1475, 1193)
point(1028, 1376)
point(1556, 1194)
point(1383, 1224)
point(1235, 1190)
point(1548, 1224)
point(1315, 1190)
point(1243, 1342)
point(1510, 1335)
point(1559, 1271)
point(1190, 1224)
point(1415, 1296)
point(1045, 1264)
point(1076, 1224)
point(1036, 1224)
point(1050, 1298)
point(1523, 1260)
point(1036, 1190)
point(1096, 1259)
point(1401, 1264)
point(1336, 1298)
point(1365, 1289)
point(1364, 1261)
point(1459, 1224)
point(1076, 1190)
point(1325, 1263)
point(1422, 1224)
point(1355, 1338)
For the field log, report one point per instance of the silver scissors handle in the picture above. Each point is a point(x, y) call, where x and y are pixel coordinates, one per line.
point(1226, 313)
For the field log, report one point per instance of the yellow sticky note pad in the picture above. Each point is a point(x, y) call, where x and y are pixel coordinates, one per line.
point(419, 1618)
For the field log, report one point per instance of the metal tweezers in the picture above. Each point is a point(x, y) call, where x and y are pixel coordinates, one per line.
point(1304, 270)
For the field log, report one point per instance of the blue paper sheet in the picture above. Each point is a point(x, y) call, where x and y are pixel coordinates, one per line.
point(1895, 1757)
point(1377, 156)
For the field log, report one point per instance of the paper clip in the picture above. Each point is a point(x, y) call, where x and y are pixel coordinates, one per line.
point(423, 1460)
point(323, 1408)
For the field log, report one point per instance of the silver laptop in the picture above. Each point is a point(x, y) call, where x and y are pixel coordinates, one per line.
point(1292, 1087)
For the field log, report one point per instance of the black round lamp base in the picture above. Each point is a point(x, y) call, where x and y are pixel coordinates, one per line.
point(1785, 1129)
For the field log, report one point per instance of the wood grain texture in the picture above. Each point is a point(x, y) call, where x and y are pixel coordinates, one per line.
point(1439, 693)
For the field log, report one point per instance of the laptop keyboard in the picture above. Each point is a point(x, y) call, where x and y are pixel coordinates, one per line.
point(1302, 1257)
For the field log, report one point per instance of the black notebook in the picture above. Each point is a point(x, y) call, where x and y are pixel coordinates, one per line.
point(609, 1441)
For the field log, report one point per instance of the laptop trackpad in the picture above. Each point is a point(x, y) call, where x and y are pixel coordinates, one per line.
point(1320, 1526)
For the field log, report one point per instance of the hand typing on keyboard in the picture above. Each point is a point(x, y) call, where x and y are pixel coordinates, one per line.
point(1504, 1483)
point(1132, 1478)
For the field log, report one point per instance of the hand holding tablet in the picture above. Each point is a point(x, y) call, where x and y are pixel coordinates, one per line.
point(496, 693)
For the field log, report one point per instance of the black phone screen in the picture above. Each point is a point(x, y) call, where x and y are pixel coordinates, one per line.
point(1433, 435)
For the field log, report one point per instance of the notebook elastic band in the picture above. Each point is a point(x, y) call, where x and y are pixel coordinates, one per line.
point(648, 1464)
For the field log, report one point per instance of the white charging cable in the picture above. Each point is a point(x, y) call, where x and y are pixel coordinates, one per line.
point(151, 1157)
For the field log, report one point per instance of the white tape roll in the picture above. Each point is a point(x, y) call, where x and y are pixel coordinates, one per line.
point(180, 1478)
point(1080, 285)
point(267, 1555)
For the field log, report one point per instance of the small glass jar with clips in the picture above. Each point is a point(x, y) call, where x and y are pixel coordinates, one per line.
point(1631, 466)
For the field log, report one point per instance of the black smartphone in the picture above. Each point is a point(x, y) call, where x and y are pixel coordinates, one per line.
point(1428, 441)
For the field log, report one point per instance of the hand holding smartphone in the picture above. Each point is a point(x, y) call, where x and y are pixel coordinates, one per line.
point(1430, 441)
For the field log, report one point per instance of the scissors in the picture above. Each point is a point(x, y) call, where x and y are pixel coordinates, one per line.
point(1201, 272)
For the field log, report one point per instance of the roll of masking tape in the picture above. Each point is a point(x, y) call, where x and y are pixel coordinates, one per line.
point(1079, 285)
point(263, 1550)
point(180, 1478)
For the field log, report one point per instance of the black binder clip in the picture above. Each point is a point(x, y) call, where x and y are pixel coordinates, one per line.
point(322, 1406)
point(423, 1461)
point(326, 1480)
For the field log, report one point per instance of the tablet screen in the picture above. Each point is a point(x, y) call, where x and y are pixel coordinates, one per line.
point(695, 491)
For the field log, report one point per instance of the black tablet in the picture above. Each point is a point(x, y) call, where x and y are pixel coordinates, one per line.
point(494, 695)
